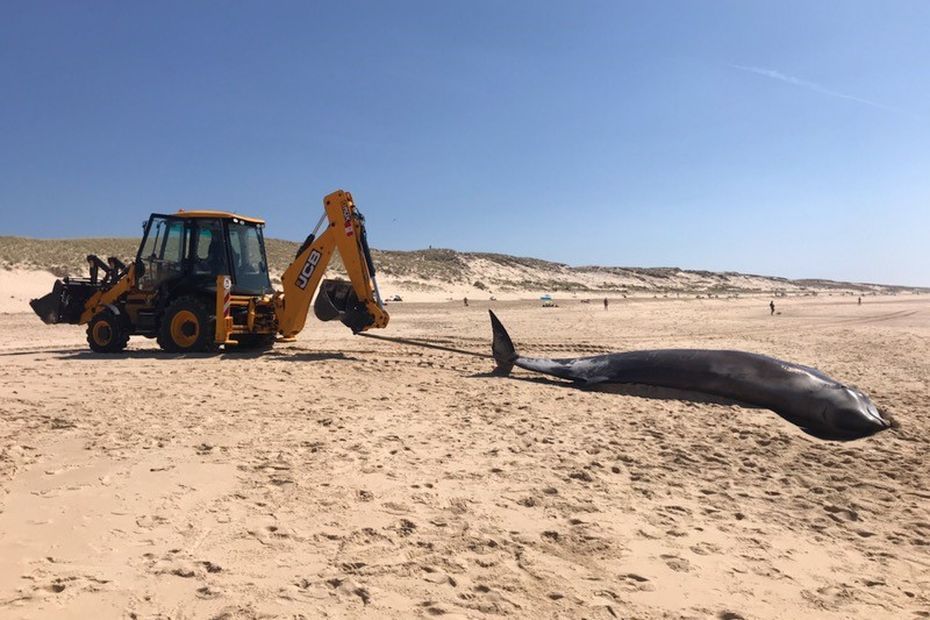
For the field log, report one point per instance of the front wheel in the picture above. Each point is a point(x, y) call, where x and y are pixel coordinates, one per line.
point(107, 333)
point(187, 326)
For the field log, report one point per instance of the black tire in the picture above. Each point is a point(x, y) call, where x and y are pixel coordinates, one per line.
point(187, 326)
point(107, 333)
point(254, 342)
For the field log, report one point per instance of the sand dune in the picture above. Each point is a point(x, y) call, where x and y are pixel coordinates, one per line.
point(18, 286)
point(441, 275)
point(345, 476)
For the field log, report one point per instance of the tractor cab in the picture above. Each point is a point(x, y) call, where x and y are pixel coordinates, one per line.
point(189, 249)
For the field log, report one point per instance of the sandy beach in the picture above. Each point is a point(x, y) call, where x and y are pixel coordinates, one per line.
point(731, 196)
point(344, 476)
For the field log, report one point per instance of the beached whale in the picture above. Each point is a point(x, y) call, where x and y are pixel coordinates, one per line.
point(804, 396)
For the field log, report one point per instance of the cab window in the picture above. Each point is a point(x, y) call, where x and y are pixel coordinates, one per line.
point(247, 250)
point(209, 249)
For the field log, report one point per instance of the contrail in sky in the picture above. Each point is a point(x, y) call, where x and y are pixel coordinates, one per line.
point(817, 88)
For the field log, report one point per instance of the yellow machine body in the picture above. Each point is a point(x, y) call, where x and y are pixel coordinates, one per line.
point(212, 313)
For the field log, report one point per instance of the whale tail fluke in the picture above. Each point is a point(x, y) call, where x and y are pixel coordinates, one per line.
point(502, 346)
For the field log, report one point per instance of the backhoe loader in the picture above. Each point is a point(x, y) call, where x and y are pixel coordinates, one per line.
point(200, 281)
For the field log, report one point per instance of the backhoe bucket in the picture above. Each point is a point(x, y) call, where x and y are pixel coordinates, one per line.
point(65, 303)
point(336, 299)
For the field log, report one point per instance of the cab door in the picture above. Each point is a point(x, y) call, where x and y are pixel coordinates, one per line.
point(209, 257)
point(164, 251)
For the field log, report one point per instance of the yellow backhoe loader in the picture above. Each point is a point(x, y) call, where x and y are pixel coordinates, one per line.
point(200, 280)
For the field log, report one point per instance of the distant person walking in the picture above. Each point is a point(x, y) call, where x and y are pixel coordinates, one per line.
point(466, 302)
point(860, 301)
point(772, 307)
point(605, 303)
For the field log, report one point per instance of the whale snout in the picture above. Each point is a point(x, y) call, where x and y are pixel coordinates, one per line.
point(863, 423)
point(858, 417)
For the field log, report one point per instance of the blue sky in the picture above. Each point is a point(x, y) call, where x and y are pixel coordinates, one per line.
point(784, 138)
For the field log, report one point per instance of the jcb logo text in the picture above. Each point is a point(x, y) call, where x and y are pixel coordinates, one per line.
point(309, 267)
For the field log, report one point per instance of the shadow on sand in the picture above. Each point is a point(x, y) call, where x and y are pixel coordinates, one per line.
point(426, 344)
point(156, 354)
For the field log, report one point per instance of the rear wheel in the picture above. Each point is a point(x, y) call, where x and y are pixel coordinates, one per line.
point(107, 333)
point(187, 326)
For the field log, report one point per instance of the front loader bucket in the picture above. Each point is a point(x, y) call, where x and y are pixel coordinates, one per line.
point(48, 307)
point(65, 303)
point(337, 300)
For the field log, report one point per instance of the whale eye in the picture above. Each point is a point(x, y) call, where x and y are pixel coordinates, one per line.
point(823, 413)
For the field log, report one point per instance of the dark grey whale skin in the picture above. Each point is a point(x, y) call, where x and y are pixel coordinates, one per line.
point(804, 396)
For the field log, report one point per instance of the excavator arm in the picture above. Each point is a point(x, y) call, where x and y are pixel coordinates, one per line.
point(356, 303)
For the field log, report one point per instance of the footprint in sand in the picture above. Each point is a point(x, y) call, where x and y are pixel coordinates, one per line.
point(634, 581)
point(350, 587)
point(704, 548)
point(394, 508)
point(840, 514)
point(206, 592)
point(676, 563)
